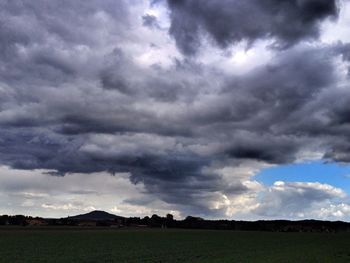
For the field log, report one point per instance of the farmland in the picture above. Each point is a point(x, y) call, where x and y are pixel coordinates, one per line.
point(156, 245)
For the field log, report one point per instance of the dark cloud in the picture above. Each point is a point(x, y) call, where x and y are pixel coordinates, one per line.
point(150, 21)
point(250, 117)
point(43, 38)
point(272, 150)
point(75, 99)
point(231, 21)
point(127, 78)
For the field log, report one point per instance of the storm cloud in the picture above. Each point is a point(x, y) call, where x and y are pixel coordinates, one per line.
point(231, 21)
point(101, 87)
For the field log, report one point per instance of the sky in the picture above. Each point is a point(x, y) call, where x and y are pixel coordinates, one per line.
point(235, 109)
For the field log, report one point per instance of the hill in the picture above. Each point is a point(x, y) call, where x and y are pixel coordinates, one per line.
point(96, 215)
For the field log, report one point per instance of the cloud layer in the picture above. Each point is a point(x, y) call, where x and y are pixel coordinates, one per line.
point(231, 21)
point(101, 87)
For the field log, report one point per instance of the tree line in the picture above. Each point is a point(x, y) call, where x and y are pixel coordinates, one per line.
point(189, 222)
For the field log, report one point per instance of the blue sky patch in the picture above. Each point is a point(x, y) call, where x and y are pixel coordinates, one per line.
point(334, 174)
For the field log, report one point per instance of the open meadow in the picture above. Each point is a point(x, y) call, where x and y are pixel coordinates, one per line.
point(155, 245)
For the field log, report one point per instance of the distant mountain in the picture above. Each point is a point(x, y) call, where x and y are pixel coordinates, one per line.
point(96, 215)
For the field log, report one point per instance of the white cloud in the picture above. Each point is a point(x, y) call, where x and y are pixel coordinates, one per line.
point(300, 200)
point(35, 193)
point(38, 194)
point(338, 30)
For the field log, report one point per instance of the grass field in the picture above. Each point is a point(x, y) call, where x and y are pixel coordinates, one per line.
point(108, 245)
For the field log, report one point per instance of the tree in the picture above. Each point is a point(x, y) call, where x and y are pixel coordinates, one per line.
point(169, 217)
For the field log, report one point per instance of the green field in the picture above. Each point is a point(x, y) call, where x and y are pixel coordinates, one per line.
point(108, 245)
